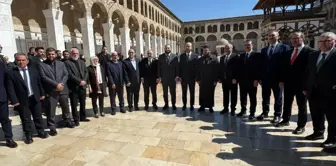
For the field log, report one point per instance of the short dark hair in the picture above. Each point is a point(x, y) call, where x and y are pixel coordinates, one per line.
point(65, 51)
point(31, 48)
point(50, 49)
point(57, 51)
point(205, 46)
point(38, 48)
point(20, 54)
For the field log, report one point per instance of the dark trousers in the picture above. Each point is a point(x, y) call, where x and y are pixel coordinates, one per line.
point(5, 121)
point(322, 106)
point(229, 88)
point(191, 86)
point(52, 101)
point(152, 87)
point(33, 108)
point(247, 88)
point(100, 98)
point(113, 93)
point(133, 93)
point(75, 96)
point(301, 100)
point(267, 88)
point(172, 90)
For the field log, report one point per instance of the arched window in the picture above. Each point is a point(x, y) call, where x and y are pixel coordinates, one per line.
point(241, 26)
point(249, 25)
point(235, 27)
point(227, 27)
point(222, 28)
point(214, 29)
point(209, 29)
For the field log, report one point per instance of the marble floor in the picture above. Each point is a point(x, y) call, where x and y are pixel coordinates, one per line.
point(169, 138)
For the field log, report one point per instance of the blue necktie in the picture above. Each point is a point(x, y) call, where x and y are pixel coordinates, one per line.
point(271, 51)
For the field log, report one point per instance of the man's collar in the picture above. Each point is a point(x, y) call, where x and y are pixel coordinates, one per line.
point(249, 52)
point(274, 45)
point(327, 52)
point(22, 68)
point(300, 47)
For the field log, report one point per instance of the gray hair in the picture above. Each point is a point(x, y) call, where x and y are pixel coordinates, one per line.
point(20, 54)
point(188, 43)
point(329, 34)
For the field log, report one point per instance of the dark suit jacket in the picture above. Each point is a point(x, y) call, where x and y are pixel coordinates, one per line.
point(230, 70)
point(50, 79)
point(103, 59)
point(250, 67)
point(133, 75)
point(188, 67)
point(168, 69)
point(325, 79)
point(3, 93)
point(149, 72)
point(271, 66)
point(75, 75)
point(294, 75)
point(116, 74)
point(92, 81)
point(18, 91)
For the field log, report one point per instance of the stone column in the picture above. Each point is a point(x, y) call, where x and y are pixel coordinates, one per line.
point(109, 36)
point(139, 43)
point(87, 37)
point(154, 45)
point(147, 41)
point(125, 40)
point(55, 28)
point(160, 46)
point(7, 36)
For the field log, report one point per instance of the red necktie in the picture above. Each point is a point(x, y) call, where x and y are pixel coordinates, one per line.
point(294, 55)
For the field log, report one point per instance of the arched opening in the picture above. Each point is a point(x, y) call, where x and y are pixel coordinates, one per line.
point(202, 29)
point(214, 29)
point(209, 29)
point(238, 42)
point(235, 27)
point(222, 28)
point(99, 16)
point(227, 37)
point(256, 25)
point(199, 43)
point(254, 38)
point(197, 29)
point(119, 21)
point(249, 25)
point(188, 39)
point(212, 42)
point(185, 31)
point(190, 30)
point(134, 27)
point(227, 28)
point(241, 26)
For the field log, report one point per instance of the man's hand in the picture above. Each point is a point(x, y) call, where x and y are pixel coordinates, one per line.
point(305, 93)
point(42, 97)
point(281, 85)
point(198, 82)
point(234, 81)
point(142, 80)
point(255, 83)
point(15, 105)
point(177, 79)
point(128, 85)
point(90, 90)
point(82, 83)
point(113, 86)
point(59, 87)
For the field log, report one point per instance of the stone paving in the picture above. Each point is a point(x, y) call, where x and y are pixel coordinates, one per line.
point(169, 138)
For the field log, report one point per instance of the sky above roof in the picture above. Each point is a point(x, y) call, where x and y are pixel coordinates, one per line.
point(191, 10)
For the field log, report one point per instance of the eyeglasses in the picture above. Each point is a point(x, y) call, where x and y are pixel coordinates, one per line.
point(325, 41)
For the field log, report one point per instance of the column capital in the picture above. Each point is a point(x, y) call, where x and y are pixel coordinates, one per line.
point(87, 20)
point(7, 2)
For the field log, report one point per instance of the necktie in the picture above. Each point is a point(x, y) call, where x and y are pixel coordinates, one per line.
point(321, 62)
point(25, 79)
point(271, 51)
point(246, 57)
point(167, 58)
point(296, 51)
point(149, 61)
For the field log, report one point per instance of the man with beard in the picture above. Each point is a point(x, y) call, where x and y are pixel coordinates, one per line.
point(131, 65)
point(77, 86)
point(103, 57)
point(58, 54)
point(168, 75)
point(66, 55)
point(206, 78)
point(188, 61)
point(54, 77)
point(31, 53)
point(228, 75)
point(38, 58)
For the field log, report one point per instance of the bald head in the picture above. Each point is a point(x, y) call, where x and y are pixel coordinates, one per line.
point(149, 53)
point(167, 49)
point(228, 49)
point(188, 47)
point(131, 53)
point(114, 56)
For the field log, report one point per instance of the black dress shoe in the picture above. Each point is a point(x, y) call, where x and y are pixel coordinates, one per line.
point(53, 132)
point(314, 137)
point(130, 109)
point(262, 117)
point(224, 111)
point(42, 135)
point(174, 107)
point(113, 112)
point(11, 143)
point(122, 110)
point(233, 113)
point(69, 124)
point(328, 144)
point(137, 108)
point(201, 109)
point(76, 123)
point(191, 108)
point(276, 119)
point(146, 107)
point(165, 107)
point(282, 123)
point(251, 117)
point(102, 114)
point(241, 114)
point(184, 107)
point(211, 110)
point(155, 107)
point(85, 120)
point(299, 130)
point(29, 139)
point(96, 115)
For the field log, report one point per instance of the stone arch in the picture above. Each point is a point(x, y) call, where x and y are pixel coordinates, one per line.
point(162, 33)
point(214, 28)
point(211, 38)
point(222, 28)
point(284, 33)
point(227, 27)
point(185, 31)
point(158, 32)
point(200, 38)
point(253, 36)
point(190, 30)
point(151, 29)
point(241, 27)
point(197, 29)
point(144, 26)
point(256, 25)
point(238, 41)
point(202, 29)
point(100, 16)
point(134, 26)
point(227, 37)
point(235, 27)
point(249, 25)
point(209, 28)
point(118, 19)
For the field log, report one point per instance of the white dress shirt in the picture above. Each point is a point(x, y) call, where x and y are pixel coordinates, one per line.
point(300, 48)
point(320, 56)
point(270, 46)
point(133, 63)
point(248, 53)
point(30, 90)
point(99, 75)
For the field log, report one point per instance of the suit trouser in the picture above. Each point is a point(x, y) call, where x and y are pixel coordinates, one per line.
point(322, 106)
point(172, 90)
point(152, 87)
point(247, 88)
point(79, 95)
point(33, 108)
point(133, 93)
point(100, 98)
point(191, 86)
point(5, 121)
point(51, 111)
point(113, 93)
point(229, 88)
point(267, 88)
point(301, 100)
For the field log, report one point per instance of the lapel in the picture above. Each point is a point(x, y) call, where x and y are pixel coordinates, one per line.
point(17, 74)
point(81, 72)
point(277, 49)
point(51, 70)
point(317, 54)
point(130, 63)
point(172, 56)
point(331, 54)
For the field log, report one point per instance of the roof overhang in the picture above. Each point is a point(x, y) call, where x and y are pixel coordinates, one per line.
point(263, 4)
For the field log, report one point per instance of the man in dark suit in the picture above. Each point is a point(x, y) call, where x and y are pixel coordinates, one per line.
point(25, 91)
point(292, 76)
point(54, 76)
point(66, 55)
point(103, 57)
point(4, 112)
point(148, 75)
point(188, 62)
point(38, 58)
point(77, 85)
point(228, 75)
point(117, 78)
point(248, 79)
point(131, 65)
point(168, 75)
point(269, 81)
point(320, 89)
